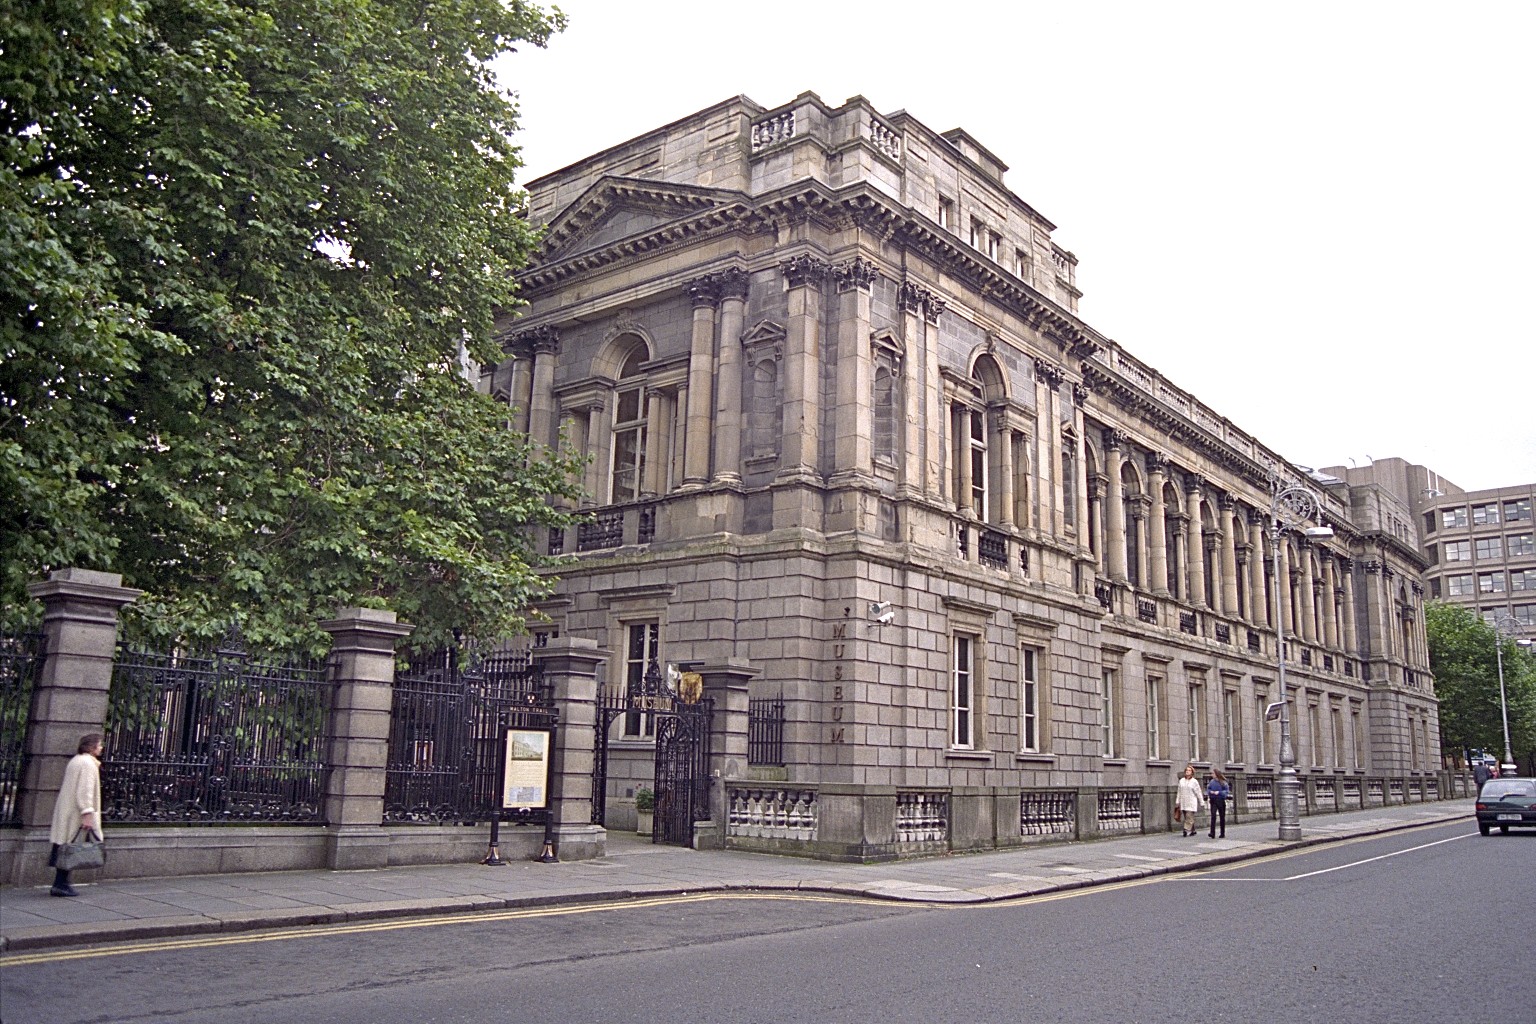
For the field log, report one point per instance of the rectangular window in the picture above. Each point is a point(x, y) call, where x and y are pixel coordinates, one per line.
point(946, 213)
point(1261, 703)
point(977, 233)
point(642, 656)
point(994, 244)
point(978, 456)
point(1429, 522)
point(1196, 713)
point(1336, 718)
point(1232, 725)
point(1453, 517)
point(628, 445)
point(1525, 614)
point(1522, 579)
point(1458, 551)
point(1522, 544)
point(1358, 753)
point(1490, 583)
point(1517, 511)
point(1109, 685)
point(962, 705)
point(1485, 515)
point(1154, 718)
point(1434, 589)
point(1315, 733)
point(1459, 585)
point(1029, 698)
point(1021, 264)
point(1490, 547)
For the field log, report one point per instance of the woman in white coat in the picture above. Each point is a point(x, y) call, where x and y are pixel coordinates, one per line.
point(78, 806)
point(1189, 798)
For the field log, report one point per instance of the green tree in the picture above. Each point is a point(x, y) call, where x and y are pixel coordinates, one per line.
point(246, 249)
point(1464, 659)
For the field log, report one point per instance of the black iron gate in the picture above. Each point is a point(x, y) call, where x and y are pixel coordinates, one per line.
point(681, 762)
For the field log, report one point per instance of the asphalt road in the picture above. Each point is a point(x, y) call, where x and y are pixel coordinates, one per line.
point(1427, 925)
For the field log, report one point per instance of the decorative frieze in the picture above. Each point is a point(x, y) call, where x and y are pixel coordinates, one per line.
point(773, 130)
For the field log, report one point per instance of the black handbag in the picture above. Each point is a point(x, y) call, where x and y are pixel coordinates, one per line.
point(73, 855)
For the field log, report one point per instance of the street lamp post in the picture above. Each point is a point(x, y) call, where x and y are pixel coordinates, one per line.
point(1503, 624)
point(1301, 505)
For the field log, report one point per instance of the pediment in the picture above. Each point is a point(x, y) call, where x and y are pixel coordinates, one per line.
point(618, 208)
point(764, 332)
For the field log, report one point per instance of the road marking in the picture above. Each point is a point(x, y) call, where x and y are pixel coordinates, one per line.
point(1384, 856)
point(1137, 856)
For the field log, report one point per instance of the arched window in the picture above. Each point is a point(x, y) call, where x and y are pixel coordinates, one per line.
point(630, 405)
point(1130, 487)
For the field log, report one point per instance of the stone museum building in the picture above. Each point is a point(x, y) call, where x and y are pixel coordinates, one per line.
point(856, 459)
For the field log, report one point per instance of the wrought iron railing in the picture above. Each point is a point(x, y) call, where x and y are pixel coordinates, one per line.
point(765, 731)
point(922, 817)
point(21, 657)
point(448, 713)
point(220, 737)
point(1047, 813)
point(1119, 810)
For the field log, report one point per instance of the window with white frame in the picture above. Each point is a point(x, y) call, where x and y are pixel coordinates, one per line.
point(1232, 725)
point(1524, 614)
point(629, 426)
point(1155, 750)
point(1021, 264)
point(642, 654)
point(1522, 579)
point(1196, 716)
point(994, 243)
point(1458, 550)
point(1030, 667)
point(978, 232)
point(977, 453)
point(1109, 691)
point(946, 213)
point(963, 693)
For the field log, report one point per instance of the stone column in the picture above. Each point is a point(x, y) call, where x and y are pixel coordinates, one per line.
point(1259, 596)
point(935, 478)
point(1114, 540)
point(726, 684)
point(728, 425)
point(1157, 528)
point(69, 696)
point(1094, 537)
point(1139, 519)
point(1351, 641)
point(1047, 403)
point(1308, 596)
point(541, 413)
point(362, 663)
point(802, 367)
point(1196, 543)
point(852, 450)
point(600, 439)
point(1181, 556)
point(1229, 578)
point(913, 392)
point(1005, 469)
point(960, 430)
point(1285, 611)
point(1330, 603)
point(522, 383)
point(1080, 450)
point(705, 295)
point(653, 477)
point(568, 665)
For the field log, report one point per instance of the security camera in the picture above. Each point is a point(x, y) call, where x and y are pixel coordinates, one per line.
point(882, 612)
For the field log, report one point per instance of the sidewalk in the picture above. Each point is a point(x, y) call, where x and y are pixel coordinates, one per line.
point(200, 904)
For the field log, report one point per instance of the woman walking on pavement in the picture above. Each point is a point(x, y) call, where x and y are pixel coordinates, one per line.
point(1217, 792)
point(78, 807)
point(1187, 801)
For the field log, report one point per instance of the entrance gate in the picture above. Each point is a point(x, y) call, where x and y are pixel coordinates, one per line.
point(681, 761)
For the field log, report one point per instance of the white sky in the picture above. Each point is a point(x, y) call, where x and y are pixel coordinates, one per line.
point(1317, 217)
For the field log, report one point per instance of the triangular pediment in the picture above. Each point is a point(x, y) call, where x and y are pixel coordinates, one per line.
point(618, 208)
point(764, 331)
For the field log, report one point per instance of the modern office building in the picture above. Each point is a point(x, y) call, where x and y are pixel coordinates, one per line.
point(1480, 545)
point(853, 448)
